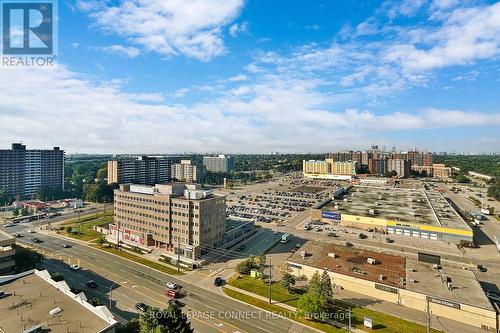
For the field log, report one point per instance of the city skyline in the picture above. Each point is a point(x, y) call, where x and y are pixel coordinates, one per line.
point(316, 76)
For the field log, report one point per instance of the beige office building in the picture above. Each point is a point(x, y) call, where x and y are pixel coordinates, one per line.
point(172, 217)
point(329, 167)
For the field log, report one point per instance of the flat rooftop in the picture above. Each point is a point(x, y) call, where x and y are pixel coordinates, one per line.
point(29, 299)
point(353, 262)
point(5, 237)
point(465, 287)
point(413, 205)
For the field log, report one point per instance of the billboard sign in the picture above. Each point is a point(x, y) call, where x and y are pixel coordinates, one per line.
point(331, 216)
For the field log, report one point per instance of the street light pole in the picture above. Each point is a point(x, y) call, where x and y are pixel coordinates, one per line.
point(111, 294)
point(270, 279)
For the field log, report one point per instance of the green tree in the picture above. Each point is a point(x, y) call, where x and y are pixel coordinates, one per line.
point(169, 320)
point(312, 307)
point(95, 301)
point(287, 281)
point(132, 326)
point(24, 211)
point(102, 173)
point(56, 276)
point(69, 229)
point(325, 285)
point(315, 284)
point(15, 212)
point(247, 265)
point(101, 240)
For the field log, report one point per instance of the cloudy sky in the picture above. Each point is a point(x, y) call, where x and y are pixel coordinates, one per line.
point(170, 76)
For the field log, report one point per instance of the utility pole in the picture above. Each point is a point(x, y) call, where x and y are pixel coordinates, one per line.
point(349, 320)
point(178, 254)
point(270, 279)
point(111, 294)
point(428, 318)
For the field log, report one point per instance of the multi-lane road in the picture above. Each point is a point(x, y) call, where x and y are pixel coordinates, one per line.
point(126, 283)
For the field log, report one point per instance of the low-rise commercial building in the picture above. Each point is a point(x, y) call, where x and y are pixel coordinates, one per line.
point(181, 219)
point(449, 293)
point(7, 253)
point(404, 211)
point(32, 301)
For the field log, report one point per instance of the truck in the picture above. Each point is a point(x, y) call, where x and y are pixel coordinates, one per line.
point(285, 238)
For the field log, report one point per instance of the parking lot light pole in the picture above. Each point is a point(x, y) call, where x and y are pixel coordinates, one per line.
point(270, 278)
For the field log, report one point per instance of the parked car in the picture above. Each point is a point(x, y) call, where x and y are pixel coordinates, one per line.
point(172, 285)
point(36, 240)
point(389, 240)
point(92, 284)
point(142, 307)
point(241, 247)
point(8, 225)
point(275, 232)
point(75, 267)
point(348, 244)
point(331, 234)
point(31, 231)
point(481, 268)
point(66, 245)
point(362, 236)
point(218, 281)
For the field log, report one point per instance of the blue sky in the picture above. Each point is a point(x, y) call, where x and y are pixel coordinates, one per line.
point(167, 76)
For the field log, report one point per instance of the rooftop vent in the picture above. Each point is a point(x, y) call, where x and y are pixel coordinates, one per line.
point(55, 311)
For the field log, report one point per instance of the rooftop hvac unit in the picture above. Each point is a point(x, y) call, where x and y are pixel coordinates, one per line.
point(345, 200)
point(55, 311)
point(332, 255)
point(34, 329)
point(380, 197)
point(2, 293)
point(371, 261)
point(412, 280)
point(412, 269)
point(371, 211)
point(303, 254)
point(381, 277)
point(336, 207)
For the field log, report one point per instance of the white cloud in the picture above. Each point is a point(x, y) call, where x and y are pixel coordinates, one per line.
point(467, 35)
point(126, 51)
point(168, 27)
point(239, 77)
point(238, 28)
point(272, 114)
point(180, 92)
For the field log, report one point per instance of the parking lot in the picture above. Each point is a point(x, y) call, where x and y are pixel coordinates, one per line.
point(279, 200)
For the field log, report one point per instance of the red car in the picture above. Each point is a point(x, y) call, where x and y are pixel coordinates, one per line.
point(171, 294)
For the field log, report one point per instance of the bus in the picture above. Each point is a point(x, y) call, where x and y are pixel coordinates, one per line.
point(285, 238)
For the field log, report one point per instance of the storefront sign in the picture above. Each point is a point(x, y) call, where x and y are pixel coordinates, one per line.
point(386, 288)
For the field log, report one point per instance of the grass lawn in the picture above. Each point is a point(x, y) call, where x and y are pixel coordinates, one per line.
point(87, 222)
point(140, 260)
point(382, 322)
point(281, 311)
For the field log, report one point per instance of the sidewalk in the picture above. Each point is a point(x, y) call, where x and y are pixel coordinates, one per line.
point(287, 307)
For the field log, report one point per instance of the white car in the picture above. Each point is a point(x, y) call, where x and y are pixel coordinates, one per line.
point(8, 225)
point(31, 231)
point(75, 267)
point(172, 285)
point(275, 232)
